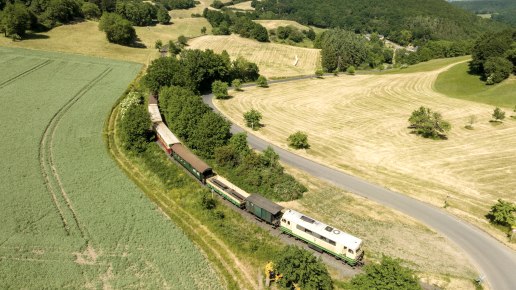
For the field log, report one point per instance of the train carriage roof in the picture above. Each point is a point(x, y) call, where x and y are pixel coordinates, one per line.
point(166, 135)
point(155, 114)
point(265, 204)
point(189, 157)
point(229, 187)
point(322, 229)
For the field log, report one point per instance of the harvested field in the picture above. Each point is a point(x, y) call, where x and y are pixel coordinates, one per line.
point(273, 24)
point(358, 124)
point(70, 216)
point(86, 38)
point(274, 60)
point(385, 231)
point(246, 6)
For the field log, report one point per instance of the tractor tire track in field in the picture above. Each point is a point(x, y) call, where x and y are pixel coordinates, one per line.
point(52, 180)
point(22, 74)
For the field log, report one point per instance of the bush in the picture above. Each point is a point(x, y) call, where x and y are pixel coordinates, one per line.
point(118, 30)
point(90, 10)
point(319, 73)
point(502, 213)
point(237, 84)
point(350, 70)
point(498, 114)
point(302, 269)
point(497, 69)
point(429, 124)
point(298, 140)
point(252, 119)
point(162, 16)
point(262, 82)
point(134, 128)
point(219, 89)
point(389, 274)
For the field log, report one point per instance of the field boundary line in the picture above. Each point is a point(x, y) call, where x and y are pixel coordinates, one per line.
point(46, 158)
point(22, 74)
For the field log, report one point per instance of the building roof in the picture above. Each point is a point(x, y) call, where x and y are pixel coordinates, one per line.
point(154, 113)
point(322, 229)
point(189, 157)
point(265, 204)
point(165, 134)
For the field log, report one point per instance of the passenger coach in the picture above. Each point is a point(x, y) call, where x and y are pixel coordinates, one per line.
point(322, 237)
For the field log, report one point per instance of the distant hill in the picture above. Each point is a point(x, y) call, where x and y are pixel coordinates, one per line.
point(500, 10)
point(418, 20)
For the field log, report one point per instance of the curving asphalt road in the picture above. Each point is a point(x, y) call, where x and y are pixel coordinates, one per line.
point(495, 261)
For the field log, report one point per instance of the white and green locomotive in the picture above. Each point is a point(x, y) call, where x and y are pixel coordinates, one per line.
point(322, 237)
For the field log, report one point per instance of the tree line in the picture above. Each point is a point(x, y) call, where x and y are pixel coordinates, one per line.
point(225, 22)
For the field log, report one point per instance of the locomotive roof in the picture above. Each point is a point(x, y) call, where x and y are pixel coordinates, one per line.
point(155, 115)
point(166, 135)
point(322, 229)
point(265, 204)
point(189, 157)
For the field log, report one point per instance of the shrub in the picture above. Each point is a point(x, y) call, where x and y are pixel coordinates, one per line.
point(319, 73)
point(219, 89)
point(90, 10)
point(389, 274)
point(134, 127)
point(237, 84)
point(252, 119)
point(262, 82)
point(502, 213)
point(497, 69)
point(298, 140)
point(118, 30)
point(429, 124)
point(498, 114)
point(350, 70)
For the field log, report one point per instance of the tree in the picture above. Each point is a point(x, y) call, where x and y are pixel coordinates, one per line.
point(15, 19)
point(498, 114)
point(237, 84)
point(203, 30)
point(239, 141)
point(502, 213)
point(262, 82)
point(134, 128)
point(172, 48)
point(252, 119)
point(158, 44)
point(90, 10)
point(497, 69)
point(389, 274)
point(319, 73)
point(270, 157)
point(139, 13)
point(162, 16)
point(227, 156)
point(429, 124)
point(118, 30)
point(182, 40)
point(298, 140)
point(244, 70)
point(219, 89)
point(162, 72)
point(299, 267)
point(341, 49)
point(212, 131)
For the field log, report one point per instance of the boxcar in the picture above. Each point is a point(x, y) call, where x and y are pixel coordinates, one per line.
point(264, 209)
point(192, 163)
point(227, 190)
point(165, 136)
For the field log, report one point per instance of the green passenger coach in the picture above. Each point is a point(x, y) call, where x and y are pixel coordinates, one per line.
point(192, 163)
point(264, 209)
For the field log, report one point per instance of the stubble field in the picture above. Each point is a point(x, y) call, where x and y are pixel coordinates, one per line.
point(70, 217)
point(358, 124)
point(274, 60)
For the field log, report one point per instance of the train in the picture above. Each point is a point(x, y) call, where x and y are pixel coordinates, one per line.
point(318, 235)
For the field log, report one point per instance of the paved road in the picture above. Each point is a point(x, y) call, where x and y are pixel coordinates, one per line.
point(496, 261)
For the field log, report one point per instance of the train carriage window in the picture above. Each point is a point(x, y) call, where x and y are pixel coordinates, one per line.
point(300, 228)
point(288, 223)
point(332, 242)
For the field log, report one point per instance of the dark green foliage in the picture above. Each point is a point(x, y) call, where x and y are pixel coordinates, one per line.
point(134, 128)
point(500, 10)
point(203, 30)
point(15, 19)
point(350, 70)
point(177, 4)
point(217, 4)
point(389, 274)
point(252, 119)
point(429, 124)
point(212, 132)
point(219, 89)
point(237, 84)
point(262, 82)
point(90, 11)
point(244, 70)
point(208, 202)
point(341, 49)
point(162, 15)
point(227, 21)
point(158, 44)
point(164, 71)
point(400, 20)
point(202, 68)
point(498, 114)
point(497, 69)
point(138, 12)
point(503, 213)
point(118, 30)
point(182, 40)
point(298, 140)
point(299, 267)
point(493, 56)
point(291, 33)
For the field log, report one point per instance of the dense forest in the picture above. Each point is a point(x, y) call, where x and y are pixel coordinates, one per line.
point(500, 10)
point(400, 20)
